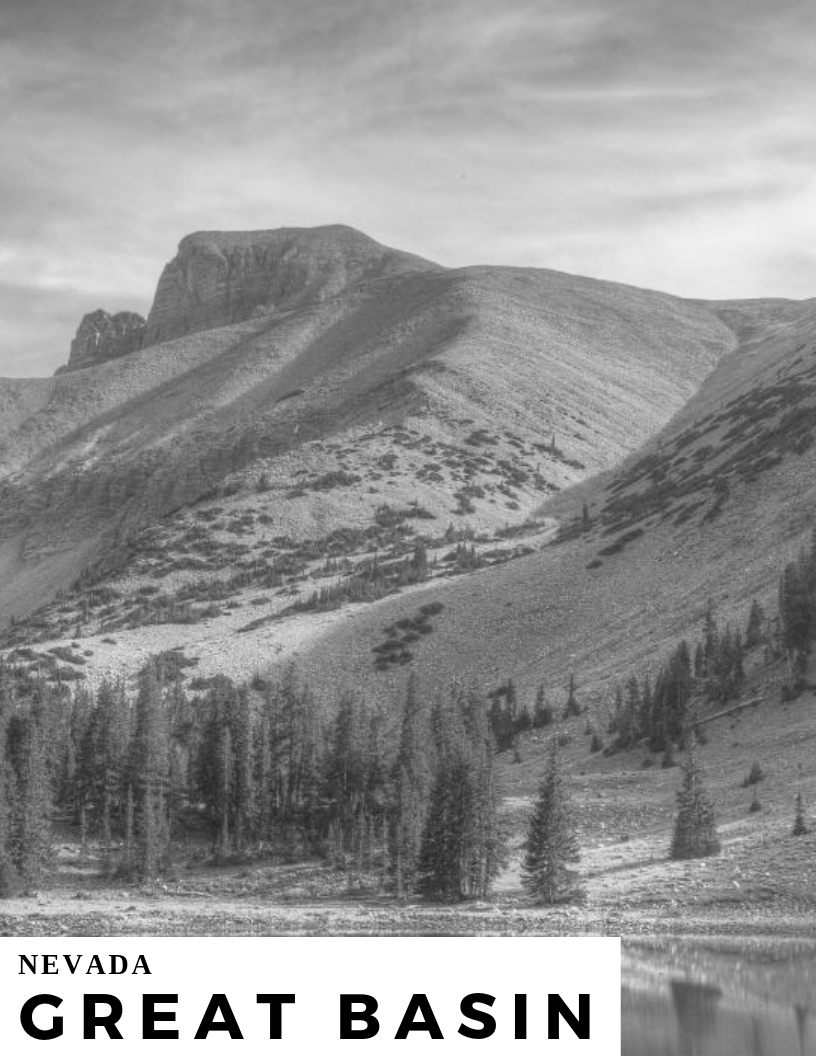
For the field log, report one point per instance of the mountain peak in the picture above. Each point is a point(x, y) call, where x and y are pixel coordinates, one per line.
point(223, 277)
point(102, 336)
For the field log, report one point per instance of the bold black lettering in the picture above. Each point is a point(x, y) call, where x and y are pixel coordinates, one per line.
point(96, 964)
point(419, 1003)
point(521, 1017)
point(219, 1003)
point(468, 1009)
point(72, 965)
point(579, 1024)
point(27, 1018)
point(90, 1020)
point(141, 963)
point(49, 964)
point(347, 1017)
point(117, 958)
point(29, 962)
point(150, 1016)
point(275, 1001)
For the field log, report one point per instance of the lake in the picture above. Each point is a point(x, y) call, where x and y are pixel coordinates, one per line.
point(718, 997)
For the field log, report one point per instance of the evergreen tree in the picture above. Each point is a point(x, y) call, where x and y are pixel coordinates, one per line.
point(756, 621)
point(710, 636)
point(462, 846)
point(616, 718)
point(695, 830)
point(800, 827)
point(542, 712)
point(345, 778)
point(8, 871)
point(32, 801)
point(572, 707)
point(148, 777)
point(411, 783)
point(551, 847)
point(488, 848)
point(795, 608)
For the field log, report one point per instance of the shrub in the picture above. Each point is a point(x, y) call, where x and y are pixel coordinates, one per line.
point(754, 776)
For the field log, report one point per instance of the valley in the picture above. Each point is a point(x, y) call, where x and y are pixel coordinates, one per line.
point(330, 457)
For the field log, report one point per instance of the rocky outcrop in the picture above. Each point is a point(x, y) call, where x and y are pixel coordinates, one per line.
point(102, 336)
point(223, 277)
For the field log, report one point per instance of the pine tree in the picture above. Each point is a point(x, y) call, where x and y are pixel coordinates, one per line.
point(795, 608)
point(148, 776)
point(8, 871)
point(572, 707)
point(488, 847)
point(462, 845)
point(243, 785)
point(344, 776)
point(32, 801)
point(695, 830)
point(551, 846)
point(753, 630)
point(411, 783)
point(800, 827)
point(616, 716)
point(542, 712)
point(710, 636)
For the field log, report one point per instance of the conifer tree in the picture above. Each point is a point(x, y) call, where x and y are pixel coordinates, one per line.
point(800, 827)
point(753, 630)
point(344, 777)
point(551, 847)
point(243, 791)
point(616, 717)
point(695, 830)
point(462, 848)
point(8, 872)
point(488, 848)
point(542, 712)
point(32, 801)
point(411, 783)
point(148, 776)
point(795, 610)
point(572, 707)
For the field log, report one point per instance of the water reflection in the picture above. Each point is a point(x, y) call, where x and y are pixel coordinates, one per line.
point(695, 1007)
point(666, 1011)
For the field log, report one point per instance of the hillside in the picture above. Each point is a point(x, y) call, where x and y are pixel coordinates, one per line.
point(585, 370)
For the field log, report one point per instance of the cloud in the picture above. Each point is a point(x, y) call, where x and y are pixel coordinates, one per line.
point(658, 143)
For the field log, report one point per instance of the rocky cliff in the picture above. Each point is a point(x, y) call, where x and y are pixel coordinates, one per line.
point(102, 336)
point(223, 277)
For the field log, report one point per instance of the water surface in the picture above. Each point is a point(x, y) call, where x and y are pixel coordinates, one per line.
point(718, 998)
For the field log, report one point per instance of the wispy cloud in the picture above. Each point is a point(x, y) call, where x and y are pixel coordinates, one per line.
point(658, 143)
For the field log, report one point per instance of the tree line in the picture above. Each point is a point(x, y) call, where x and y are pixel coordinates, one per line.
point(261, 769)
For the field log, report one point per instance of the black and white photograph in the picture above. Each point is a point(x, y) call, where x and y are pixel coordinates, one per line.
point(408, 484)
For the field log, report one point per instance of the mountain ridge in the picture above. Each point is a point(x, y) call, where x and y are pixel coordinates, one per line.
point(566, 376)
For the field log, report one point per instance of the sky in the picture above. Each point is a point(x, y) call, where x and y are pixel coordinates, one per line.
point(665, 144)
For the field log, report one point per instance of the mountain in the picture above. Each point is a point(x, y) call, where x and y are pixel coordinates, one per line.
point(323, 453)
point(307, 401)
point(101, 336)
point(371, 338)
point(223, 277)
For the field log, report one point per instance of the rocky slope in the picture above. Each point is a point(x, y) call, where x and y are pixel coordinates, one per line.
point(580, 372)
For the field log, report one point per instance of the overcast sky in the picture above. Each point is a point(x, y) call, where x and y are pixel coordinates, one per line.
point(666, 143)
